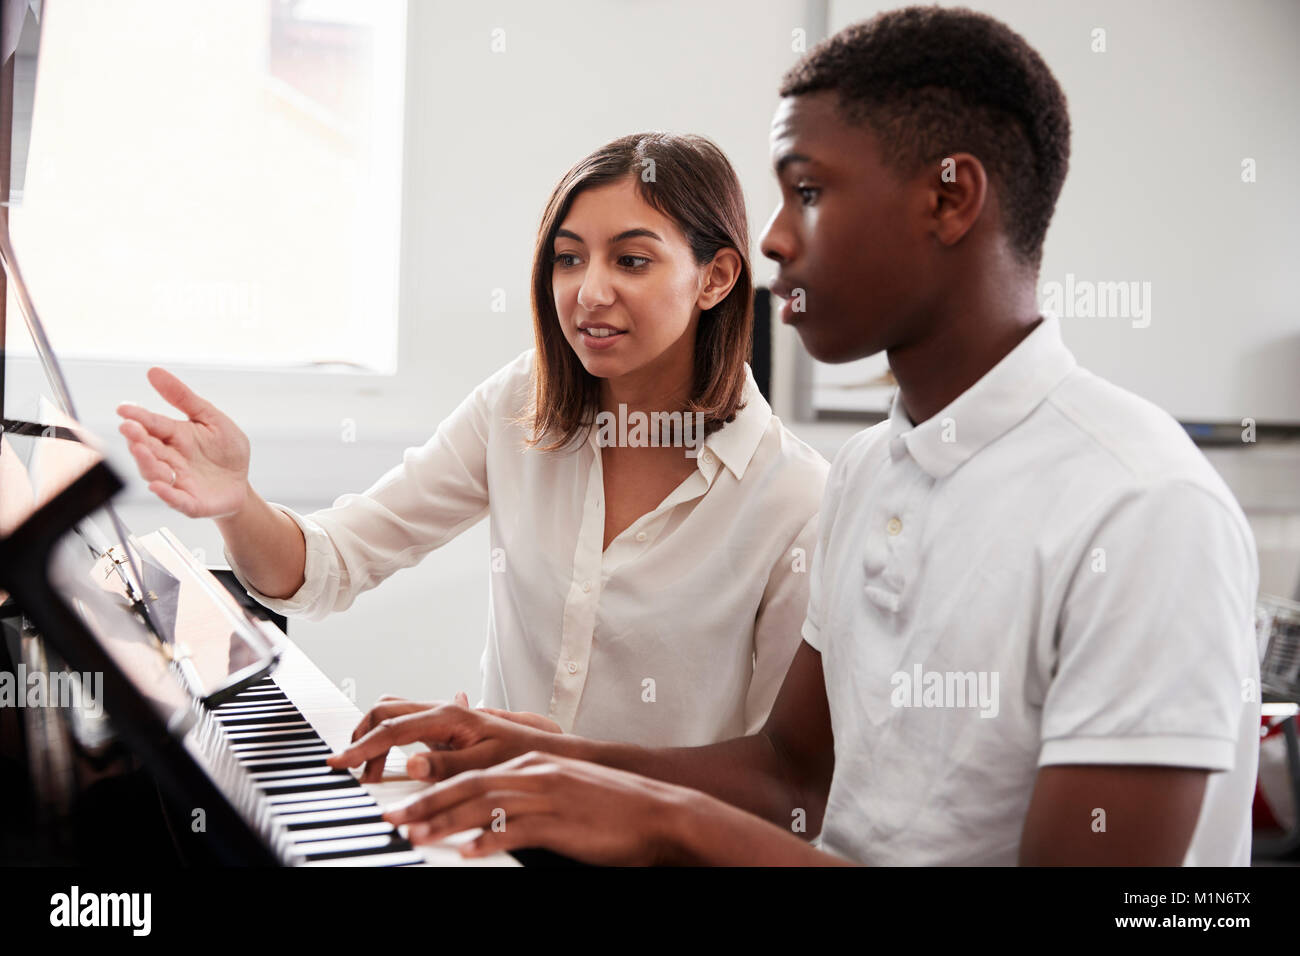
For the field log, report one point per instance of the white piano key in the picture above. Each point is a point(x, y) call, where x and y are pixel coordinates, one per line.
point(257, 714)
point(334, 718)
point(286, 775)
point(307, 806)
point(251, 705)
point(242, 734)
point(253, 751)
point(298, 725)
point(400, 858)
point(278, 799)
point(347, 830)
point(302, 781)
point(343, 846)
point(325, 816)
point(316, 759)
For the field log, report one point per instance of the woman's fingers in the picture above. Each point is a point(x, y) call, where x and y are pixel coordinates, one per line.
point(151, 468)
point(160, 426)
point(137, 436)
point(182, 501)
point(178, 394)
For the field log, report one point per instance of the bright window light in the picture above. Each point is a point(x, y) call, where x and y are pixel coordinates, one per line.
point(217, 183)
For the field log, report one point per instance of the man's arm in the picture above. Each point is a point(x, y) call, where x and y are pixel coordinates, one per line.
point(598, 815)
point(1115, 815)
point(784, 768)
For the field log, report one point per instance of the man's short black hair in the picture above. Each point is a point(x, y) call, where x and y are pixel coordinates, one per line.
point(931, 81)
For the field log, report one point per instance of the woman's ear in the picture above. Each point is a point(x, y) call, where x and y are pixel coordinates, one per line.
point(720, 277)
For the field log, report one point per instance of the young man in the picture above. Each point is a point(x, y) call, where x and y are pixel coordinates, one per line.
point(1029, 636)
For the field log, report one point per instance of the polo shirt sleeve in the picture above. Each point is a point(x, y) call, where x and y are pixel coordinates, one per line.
point(776, 627)
point(812, 622)
point(1156, 654)
point(437, 491)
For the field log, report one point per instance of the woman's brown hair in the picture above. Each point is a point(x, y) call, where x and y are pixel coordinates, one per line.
point(689, 180)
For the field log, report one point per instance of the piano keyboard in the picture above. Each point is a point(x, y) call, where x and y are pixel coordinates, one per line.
point(266, 748)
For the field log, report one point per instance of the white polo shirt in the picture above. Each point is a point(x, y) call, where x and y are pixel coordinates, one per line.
point(1046, 572)
point(677, 634)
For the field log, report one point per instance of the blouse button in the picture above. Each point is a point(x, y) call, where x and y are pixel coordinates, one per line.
point(586, 585)
point(573, 668)
point(640, 535)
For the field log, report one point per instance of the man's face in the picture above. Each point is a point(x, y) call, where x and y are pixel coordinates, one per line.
point(849, 235)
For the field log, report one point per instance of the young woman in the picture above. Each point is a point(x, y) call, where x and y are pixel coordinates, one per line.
point(649, 583)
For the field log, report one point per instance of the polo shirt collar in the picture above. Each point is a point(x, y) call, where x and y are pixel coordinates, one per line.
point(990, 408)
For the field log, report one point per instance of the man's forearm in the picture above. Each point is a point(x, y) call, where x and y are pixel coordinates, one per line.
point(747, 772)
point(699, 830)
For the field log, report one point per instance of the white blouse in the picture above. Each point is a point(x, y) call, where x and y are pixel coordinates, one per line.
point(680, 633)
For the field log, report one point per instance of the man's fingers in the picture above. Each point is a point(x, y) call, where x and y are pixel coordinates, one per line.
point(386, 708)
point(438, 765)
point(526, 718)
point(496, 810)
point(396, 731)
point(534, 831)
point(178, 394)
point(443, 796)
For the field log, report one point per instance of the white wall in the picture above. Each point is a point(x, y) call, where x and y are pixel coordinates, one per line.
point(1161, 122)
point(488, 134)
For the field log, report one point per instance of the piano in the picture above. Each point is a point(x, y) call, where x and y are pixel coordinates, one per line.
point(276, 733)
point(207, 698)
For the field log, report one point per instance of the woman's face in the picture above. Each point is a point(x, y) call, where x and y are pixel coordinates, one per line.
point(620, 265)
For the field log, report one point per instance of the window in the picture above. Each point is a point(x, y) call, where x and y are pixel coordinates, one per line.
point(218, 183)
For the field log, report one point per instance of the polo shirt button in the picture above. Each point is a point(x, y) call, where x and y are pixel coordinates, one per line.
point(640, 535)
point(894, 526)
point(586, 585)
point(573, 668)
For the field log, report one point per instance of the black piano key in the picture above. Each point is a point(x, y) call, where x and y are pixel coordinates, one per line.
point(249, 752)
point(395, 844)
point(281, 786)
point(274, 743)
point(288, 763)
point(276, 736)
point(234, 723)
point(363, 816)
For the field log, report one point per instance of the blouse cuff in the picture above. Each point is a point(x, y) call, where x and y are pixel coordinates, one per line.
point(317, 571)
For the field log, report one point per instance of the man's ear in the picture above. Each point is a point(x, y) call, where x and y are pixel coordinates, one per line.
point(720, 276)
point(958, 192)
